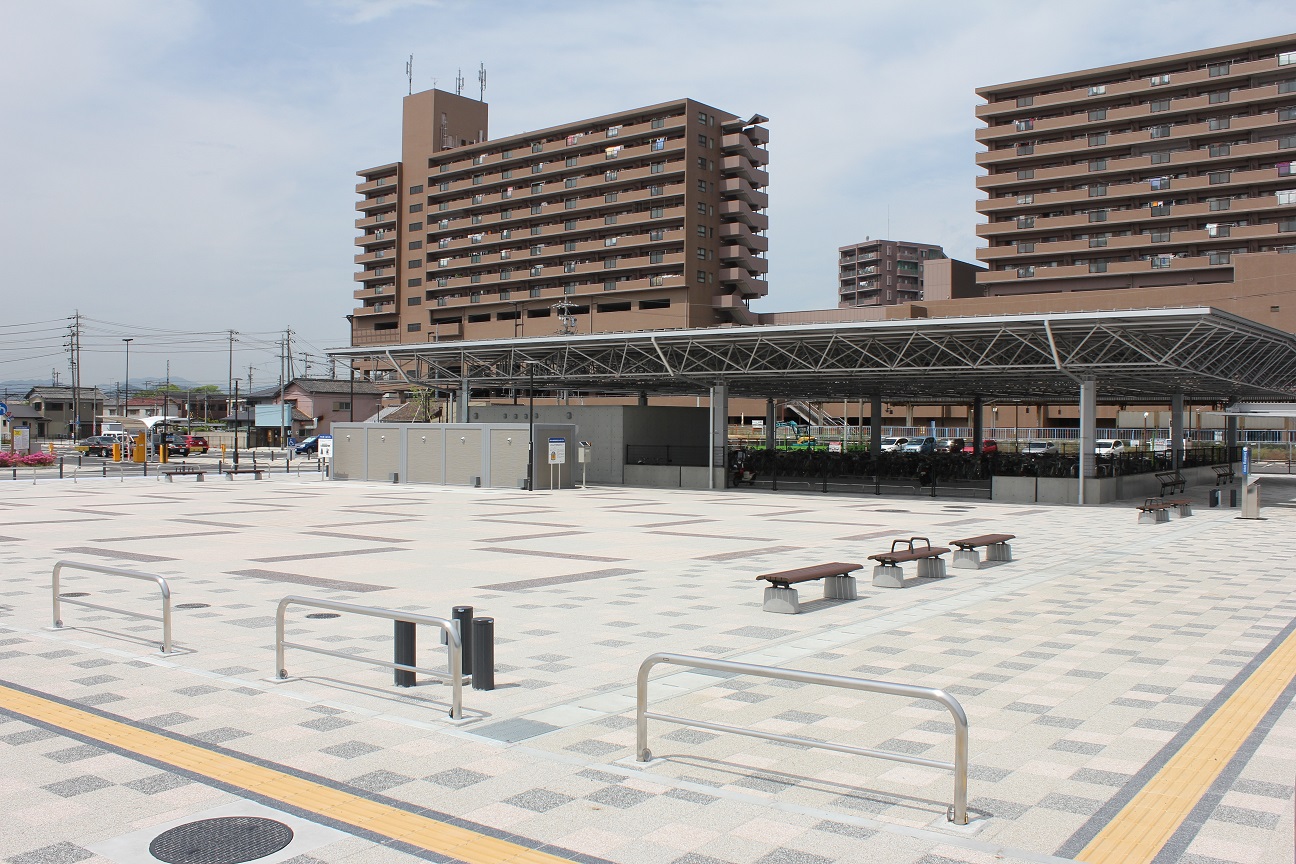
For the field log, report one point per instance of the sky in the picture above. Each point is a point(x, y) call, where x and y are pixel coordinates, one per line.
point(181, 169)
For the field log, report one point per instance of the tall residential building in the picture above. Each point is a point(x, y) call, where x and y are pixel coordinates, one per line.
point(644, 219)
point(882, 272)
point(1154, 173)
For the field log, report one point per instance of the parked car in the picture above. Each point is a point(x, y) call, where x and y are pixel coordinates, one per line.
point(989, 445)
point(196, 443)
point(1108, 447)
point(893, 445)
point(921, 445)
point(1039, 448)
point(97, 445)
point(950, 445)
point(309, 447)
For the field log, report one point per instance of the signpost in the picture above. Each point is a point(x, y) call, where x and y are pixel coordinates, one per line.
point(557, 457)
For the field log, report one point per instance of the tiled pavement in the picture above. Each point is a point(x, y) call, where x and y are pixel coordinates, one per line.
point(1083, 664)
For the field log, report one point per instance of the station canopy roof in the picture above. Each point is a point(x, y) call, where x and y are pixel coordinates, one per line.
point(1203, 353)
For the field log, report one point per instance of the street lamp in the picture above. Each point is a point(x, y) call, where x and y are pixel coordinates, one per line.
point(126, 403)
point(1146, 442)
point(351, 365)
point(530, 482)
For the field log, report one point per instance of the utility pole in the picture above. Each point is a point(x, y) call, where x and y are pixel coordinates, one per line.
point(305, 364)
point(283, 362)
point(229, 390)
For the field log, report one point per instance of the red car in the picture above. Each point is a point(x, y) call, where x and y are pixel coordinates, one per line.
point(195, 443)
point(987, 446)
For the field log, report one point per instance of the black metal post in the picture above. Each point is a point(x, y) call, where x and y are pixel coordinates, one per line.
point(483, 668)
point(236, 422)
point(404, 651)
point(530, 481)
point(463, 616)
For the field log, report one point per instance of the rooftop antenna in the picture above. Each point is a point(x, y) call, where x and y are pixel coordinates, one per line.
point(459, 82)
point(409, 73)
point(481, 80)
point(566, 320)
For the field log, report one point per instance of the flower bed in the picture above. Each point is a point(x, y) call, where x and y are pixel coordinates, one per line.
point(20, 460)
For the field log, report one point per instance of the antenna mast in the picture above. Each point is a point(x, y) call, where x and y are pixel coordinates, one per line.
point(409, 73)
point(459, 82)
point(481, 80)
point(566, 320)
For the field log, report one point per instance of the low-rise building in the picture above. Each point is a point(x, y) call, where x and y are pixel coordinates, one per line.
point(67, 412)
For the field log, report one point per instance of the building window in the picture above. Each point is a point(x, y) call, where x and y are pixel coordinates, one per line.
point(612, 132)
point(610, 263)
point(656, 212)
point(413, 226)
point(416, 208)
point(413, 328)
point(1158, 208)
point(537, 269)
point(1220, 204)
point(537, 147)
point(537, 188)
point(1159, 80)
point(533, 292)
point(1286, 169)
point(1097, 164)
point(569, 287)
point(474, 297)
point(569, 225)
point(1216, 70)
point(1287, 225)
point(416, 244)
point(1220, 257)
point(569, 183)
point(661, 190)
point(506, 273)
point(1159, 105)
point(1023, 248)
point(570, 203)
point(413, 283)
point(1159, 131)
point(569, 246)
point(1097, 114)
point(609, 197)
point(476, 277)
point(1097, 266)
point(1160, 157)
point(1024, 125)
point(414, 262)
point(537, 230)
point(416, 190)
point(1287, 142)
point(1097, 90)
point(1025, 221)
point(571, 161)
point(701, 253)
point(1097, 190)
point(1286, 196)
point(701, 276)
point(1161, 262)
point(609, 285)
point(1161, 236)
point(442, 282)
point(1025, 272)
point(442, 206)
point(443, 224)
point(479, 159)
point(1159, 184)
point(1025, 149)
point(1025, 101)
point(477, 179)
point(658, 122)
point(444, 185)
point(1026, 174)
point(656, 234)
point(659, 167)
point(656, 257)
point(1217, 124)
point(1217, 177)
point(1218, 97)
point(1097, 215)
point(1287, 86)
point(610, 219)
point(1214, 229)
point(506, 174)
point(476, 219)
point(1287, 58)
point(1097, 242)
point(1219, 150)
point(507, 233)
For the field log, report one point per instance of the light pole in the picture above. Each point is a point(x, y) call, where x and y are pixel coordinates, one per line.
point(126, 403)
point(530, 483)
point(351, 366)
point(1146, 443)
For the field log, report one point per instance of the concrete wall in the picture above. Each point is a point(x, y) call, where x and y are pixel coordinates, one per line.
point(1098, 490)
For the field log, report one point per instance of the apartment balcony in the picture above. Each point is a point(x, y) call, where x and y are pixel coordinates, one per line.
point(377, 309)
point(1119, 164)
point(368, 205)
point(555, 254)
point(381, 236)
point(737, 144)
point(553, 199)
point(378, 184)
point(742, 281)
point(739, 256)
point(743, 212)
point(364, 338)
point(738, 232)
point(734, 187)
point(1239, 73)
point(385, 254)
point(742, 167)
point(490, 302)
point(490, 280)
point(491, 242)
point(368, 291)
point(1083, 271)
point(387, 273)
point(493, 188)
point(385, 219)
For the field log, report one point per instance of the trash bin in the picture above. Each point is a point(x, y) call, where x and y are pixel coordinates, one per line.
point(1251, 501)
point(1214, 497)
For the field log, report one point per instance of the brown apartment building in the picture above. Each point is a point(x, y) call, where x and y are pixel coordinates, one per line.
point(644, 219)
point(882, 272)
point(1175, 171)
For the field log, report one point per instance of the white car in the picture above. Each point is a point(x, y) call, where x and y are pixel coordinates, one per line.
point(1108, 447)
point(892, 445)
point(1039, 448)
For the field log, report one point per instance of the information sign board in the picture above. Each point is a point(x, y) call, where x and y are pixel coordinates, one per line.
point(557, 451)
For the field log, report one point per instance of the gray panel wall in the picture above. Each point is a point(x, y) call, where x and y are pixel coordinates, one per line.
point(348, 454)
point(383, 453)
point(463, 455)
point(508, 457)
point(424, 455)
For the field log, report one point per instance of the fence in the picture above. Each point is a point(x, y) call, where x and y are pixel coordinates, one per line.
point(959, 766)
point(452, 639)
point(666, 454)
point(113, 571)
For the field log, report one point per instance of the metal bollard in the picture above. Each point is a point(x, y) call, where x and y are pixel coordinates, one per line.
point(1233, 497)
point(1215, 498)
point(483, 669)
point(463, 616)
point(404, 651)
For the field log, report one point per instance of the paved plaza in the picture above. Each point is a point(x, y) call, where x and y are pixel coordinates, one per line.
point(1110, 666)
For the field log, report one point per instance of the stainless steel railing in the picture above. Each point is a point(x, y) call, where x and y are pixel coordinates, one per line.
point(113, 571)
point(959, 766)
point(453, 642)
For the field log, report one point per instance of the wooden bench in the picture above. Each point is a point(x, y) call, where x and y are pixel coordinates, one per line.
point(1171, 481)
point(780, 596)
point(1222, 473)
point(185, 470)
point(257, 473)
point(997, 549)
point(1180, 507)
point(1153, 511)
point(888, 573)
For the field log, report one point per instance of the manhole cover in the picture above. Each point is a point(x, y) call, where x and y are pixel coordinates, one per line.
point(323, 615)
point(228, 840)
point(75, 594)
point(891, 511)
point(192, 605)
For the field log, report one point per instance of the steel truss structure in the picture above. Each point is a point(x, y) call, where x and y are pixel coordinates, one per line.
point(1202, 353)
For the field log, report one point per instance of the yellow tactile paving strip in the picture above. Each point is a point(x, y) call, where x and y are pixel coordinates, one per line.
point(303, 794)
point(1147, 822)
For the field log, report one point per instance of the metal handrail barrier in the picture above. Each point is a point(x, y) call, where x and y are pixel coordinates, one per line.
point(453, 642)
point(959, 766)
point(114, 571)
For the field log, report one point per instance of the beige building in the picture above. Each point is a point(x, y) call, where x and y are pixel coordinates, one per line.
point(886, 272)
point(1155, 173)
point(645, 219)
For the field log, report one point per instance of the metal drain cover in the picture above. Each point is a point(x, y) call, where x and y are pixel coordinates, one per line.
point(192, 605)
point(227, 840)
point(75, 594)
point(323, 615)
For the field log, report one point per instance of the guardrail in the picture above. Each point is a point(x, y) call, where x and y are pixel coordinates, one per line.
point(959, 766)
point(114, 571)
point(453, 642)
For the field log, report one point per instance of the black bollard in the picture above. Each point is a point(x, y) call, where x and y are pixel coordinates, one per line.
point(1233, 497)
point(463, 616)
point(404, 651)
point(483, 670)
